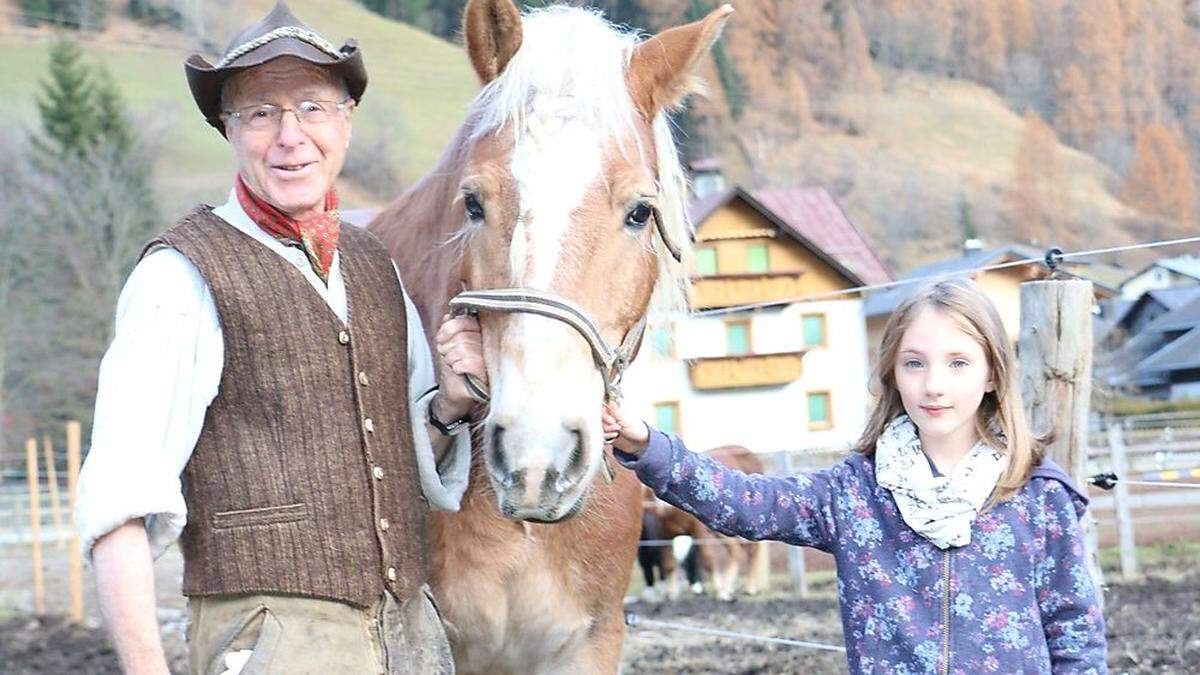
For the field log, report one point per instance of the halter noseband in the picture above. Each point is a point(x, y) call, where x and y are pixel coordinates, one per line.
point(610, 362)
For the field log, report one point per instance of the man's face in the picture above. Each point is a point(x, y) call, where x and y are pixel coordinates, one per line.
point(942, 374)
point(292, 164)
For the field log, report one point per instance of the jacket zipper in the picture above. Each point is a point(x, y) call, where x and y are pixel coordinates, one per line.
point(946, 614)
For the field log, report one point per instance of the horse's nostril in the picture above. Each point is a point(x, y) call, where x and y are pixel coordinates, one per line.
point(496, 452)
point(576, 463)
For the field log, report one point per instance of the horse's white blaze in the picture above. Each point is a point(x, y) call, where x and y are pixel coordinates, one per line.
point(539, 401)
point(555, 161)
point(517, 251)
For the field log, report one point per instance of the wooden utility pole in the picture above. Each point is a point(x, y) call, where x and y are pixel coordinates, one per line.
point(1056, 379)
point(35, 523)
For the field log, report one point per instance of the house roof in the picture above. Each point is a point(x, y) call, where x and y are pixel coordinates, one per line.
point(1171, 298)
point(1183, 317)
point(883, 302)
point(1187, 265)
point(811, 216)
point(1182, 353)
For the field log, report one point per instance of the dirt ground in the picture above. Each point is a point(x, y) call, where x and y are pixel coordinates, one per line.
point(1153, 627)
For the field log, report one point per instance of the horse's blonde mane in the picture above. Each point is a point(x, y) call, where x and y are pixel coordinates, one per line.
point(572, 65)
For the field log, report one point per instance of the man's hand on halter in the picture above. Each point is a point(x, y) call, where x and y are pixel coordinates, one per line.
point(459, 353)
point(628, 434)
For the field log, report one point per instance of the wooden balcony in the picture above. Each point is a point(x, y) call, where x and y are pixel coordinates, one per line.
point(724, 290)
point(740, 372)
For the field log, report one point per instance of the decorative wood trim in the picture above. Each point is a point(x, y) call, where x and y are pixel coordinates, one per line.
point(743, 372)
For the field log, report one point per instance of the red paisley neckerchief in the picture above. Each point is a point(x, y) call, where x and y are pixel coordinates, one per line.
point(318, 236)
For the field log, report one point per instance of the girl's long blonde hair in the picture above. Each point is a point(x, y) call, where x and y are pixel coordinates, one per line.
point(1000, 420)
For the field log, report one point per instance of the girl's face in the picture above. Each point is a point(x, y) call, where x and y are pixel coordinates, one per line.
point(942, 374)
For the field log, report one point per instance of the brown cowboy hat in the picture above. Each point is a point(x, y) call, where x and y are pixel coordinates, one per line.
point(280, 33)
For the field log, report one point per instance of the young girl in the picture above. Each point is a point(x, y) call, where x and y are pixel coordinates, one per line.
point(957, 545)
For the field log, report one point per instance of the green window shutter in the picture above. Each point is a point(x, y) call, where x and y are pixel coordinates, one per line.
point(665, 418)
point(818, 408)
point(814, 330)
point(737, 339)
point(706, 261)
point(662, 341)
point(756, 259)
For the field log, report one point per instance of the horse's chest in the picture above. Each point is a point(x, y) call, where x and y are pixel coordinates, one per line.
point(507, 618)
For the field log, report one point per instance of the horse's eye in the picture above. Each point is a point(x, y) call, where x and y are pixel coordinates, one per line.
point(474, 208)
point(639, 216)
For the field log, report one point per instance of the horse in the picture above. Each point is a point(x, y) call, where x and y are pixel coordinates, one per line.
point(658, 562)
point(724, 559)
point(564, 184)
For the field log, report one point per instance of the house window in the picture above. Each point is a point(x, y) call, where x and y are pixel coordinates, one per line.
point(820, 415)
point(737, 338)
point(706, 261)
point(756, 259)
point(814, 330)
point(663, 342)
point(666, 417)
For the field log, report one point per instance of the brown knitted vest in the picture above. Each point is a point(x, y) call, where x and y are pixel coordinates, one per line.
point(304, 479)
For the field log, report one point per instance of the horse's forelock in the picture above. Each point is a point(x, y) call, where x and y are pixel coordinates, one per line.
point(572, 65)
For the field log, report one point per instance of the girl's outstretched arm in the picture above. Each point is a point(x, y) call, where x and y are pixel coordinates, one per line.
point(794, 509)
point(1071, 617)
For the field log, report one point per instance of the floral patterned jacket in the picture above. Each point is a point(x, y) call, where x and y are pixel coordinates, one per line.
point(1017, 598)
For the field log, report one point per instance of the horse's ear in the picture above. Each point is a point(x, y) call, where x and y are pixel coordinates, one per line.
point(493, 33)
point(661, 70)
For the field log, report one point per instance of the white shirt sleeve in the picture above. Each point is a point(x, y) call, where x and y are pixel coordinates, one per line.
point(444, 483)
point(156, 382)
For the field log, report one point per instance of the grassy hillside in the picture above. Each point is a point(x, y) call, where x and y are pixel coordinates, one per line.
point(925, 144)
point(420, 87)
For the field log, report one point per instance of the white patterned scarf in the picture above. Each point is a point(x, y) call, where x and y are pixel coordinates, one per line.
point(939, 508)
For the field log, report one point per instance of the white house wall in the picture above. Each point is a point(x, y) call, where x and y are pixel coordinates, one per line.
point(769, 418)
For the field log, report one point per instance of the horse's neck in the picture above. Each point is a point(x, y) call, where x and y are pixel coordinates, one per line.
point(415, 229)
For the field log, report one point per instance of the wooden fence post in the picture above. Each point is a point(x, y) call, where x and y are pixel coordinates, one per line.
point(75, 566)
point(1056, 380)
point(795, 553)
point(1125, 538)
point(52, 482)
point(35, 523)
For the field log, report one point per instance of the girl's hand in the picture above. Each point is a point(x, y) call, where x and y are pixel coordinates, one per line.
point(623, 432)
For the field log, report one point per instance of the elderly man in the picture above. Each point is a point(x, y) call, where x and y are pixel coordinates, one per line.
point(270, 399)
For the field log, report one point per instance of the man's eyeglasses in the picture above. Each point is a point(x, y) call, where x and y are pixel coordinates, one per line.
point(267, 116)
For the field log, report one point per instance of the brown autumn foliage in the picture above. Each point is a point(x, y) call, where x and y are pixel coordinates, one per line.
point(1160, 181)
point(1098, 72)
point(1035, 202)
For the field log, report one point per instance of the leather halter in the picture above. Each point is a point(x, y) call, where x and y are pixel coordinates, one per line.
point(610, 362)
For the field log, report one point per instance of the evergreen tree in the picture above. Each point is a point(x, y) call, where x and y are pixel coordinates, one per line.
point(67, 103)
point(112, 124)
point(966, 220)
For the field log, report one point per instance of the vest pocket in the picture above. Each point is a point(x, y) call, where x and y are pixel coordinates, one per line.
point(267, 515)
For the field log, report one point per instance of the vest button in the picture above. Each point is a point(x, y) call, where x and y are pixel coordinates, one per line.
point(377, 472)
point(383, 524)
point(344, 337)
point(391, 574)
point(362, 378)
point(369, 425)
